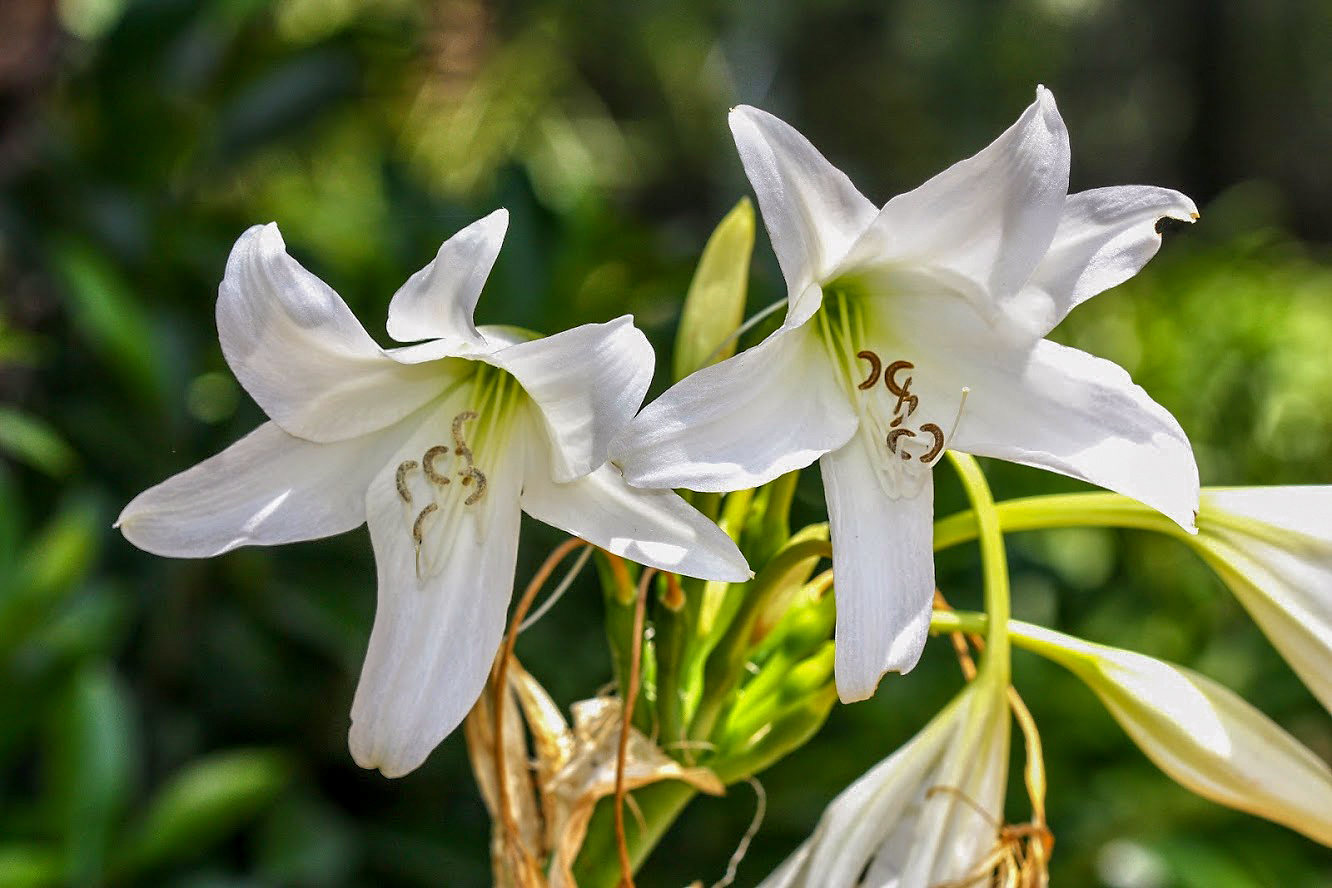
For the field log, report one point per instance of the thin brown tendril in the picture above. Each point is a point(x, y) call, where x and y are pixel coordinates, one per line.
point(627, 714)
point(513, 840)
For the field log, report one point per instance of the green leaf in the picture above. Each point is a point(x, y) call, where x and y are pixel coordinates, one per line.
point(32, 441)
point(715, 304)
point(59, 557)
point(89, 757)
point(210, 799)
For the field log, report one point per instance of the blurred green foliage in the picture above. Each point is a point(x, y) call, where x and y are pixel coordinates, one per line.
point(183, 723)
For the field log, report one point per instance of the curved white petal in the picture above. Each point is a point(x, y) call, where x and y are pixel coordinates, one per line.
point(440, 613)
point(1202, 734)
point(1105, 237)
point(743, 422)
point(653, 527)
point(988, 219)
point(586, 383)
point(926, 816)
point(267, 488)
point(301, 354)
point(812, 211)
point(438, 301)
point(1299, 509)
point(883, 565)
point(1061, 409)
point(1288, 592)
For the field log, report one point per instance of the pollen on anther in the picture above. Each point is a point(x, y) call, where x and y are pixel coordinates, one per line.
point(938, 441)
point(892, 440)
point(428, 464)
point(419, 523)
point(460, 445)
point(468, 474)
point(401, 480)
point(875, 367)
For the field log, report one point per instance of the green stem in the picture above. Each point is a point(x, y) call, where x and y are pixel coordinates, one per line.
point(1060, 510)
point(994, 560)
point(659, 804)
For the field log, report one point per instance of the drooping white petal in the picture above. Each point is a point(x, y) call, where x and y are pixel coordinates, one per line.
point(767, 411)
point(1200, 733)
point(653, 527)
point(586, 383)
point(812, 211)
point(883, 562)
point(988, 219)
point(441, 609)
point(928, 815)
point(267, 488)
point(1061, 409)
point(438, 301)
point(300, 352)
point(1105, 237)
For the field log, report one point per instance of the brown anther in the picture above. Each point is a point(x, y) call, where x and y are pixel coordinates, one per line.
point(418, 526)
point(875, 365)
point(892, 440)
point(461, 448)
point(468, 474)
point(401, 480)
point(428, 464)
point(938, 441)
point(897, 421)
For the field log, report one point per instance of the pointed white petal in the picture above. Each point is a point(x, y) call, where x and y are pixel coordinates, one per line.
point(267, 488)
point(1061, 409)
point(438, 301)
point(1200, 733)
point(587, 383)
point(767, 411)
point(883, 564)
point(812, 211)
point(1105, 237)
point(437, 626)
point(1289, 596)
point(301, 354)
point(652, 527)
point(987, 220)
point(927, 815)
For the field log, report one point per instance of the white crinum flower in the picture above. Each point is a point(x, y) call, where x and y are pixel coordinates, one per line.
point(913, 328)
point(437, 446)
point(1273, 548)
point(927, 815)
point(1201, 733)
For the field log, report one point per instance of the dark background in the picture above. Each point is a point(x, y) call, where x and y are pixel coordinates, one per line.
point(183, 723)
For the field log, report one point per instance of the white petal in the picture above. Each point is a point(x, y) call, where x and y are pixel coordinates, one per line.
point(1202, 734)
point(587, 383)
point(437, 627)
point(988, 219)
point(1061, 409)
point(653, 527)
point(267, 488)
point(812, 211)
point(438, 301)
point(1105, 236)
point(743, 422)
point(301, 354)
point(1300, 509)
point(883, 564)
point(1288, 592)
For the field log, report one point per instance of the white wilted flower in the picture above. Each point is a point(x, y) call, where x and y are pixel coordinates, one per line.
point(1273, 548)
point(437, 446)
point(1202, 734)
point(911, 329)
point(928, 815)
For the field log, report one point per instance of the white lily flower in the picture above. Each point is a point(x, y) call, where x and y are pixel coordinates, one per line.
point(910, 329)
point(1201, 733)
point(438, 446)
point(1273, 548)
point(928, 815)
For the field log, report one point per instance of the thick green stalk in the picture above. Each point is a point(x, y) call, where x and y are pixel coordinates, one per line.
point(1060, 510)
point(994, 560)
point(659, 804)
